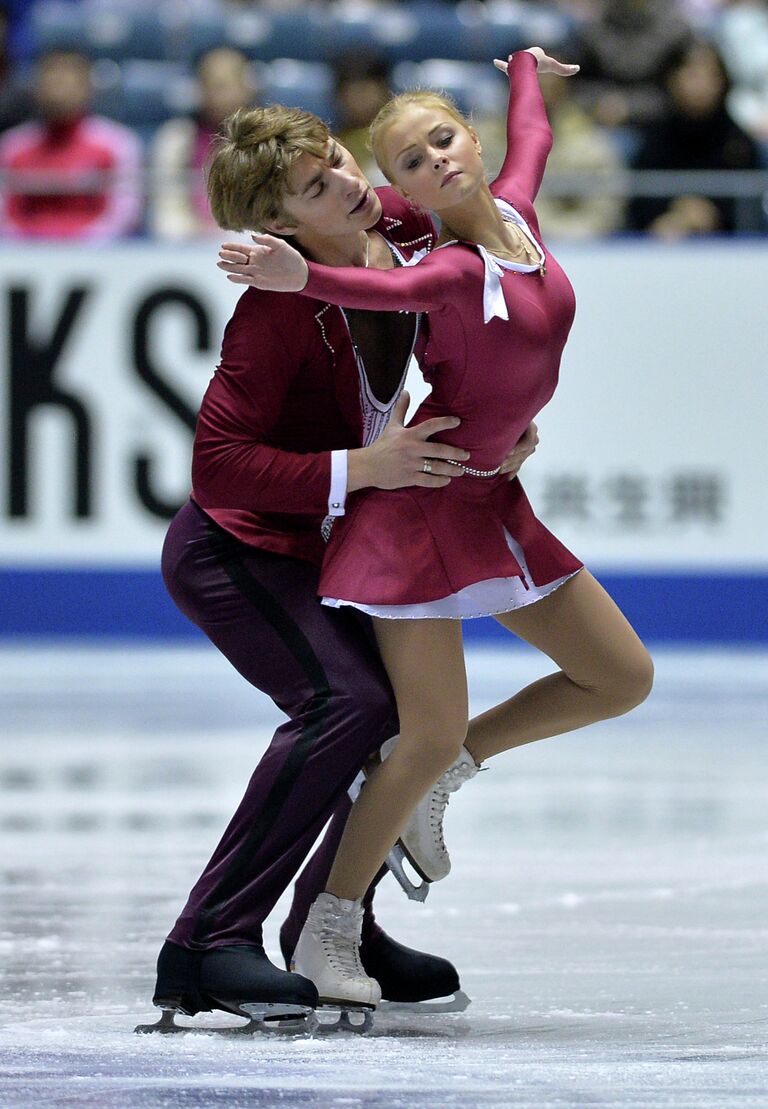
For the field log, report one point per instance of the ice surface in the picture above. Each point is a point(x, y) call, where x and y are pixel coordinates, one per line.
point(607, 909)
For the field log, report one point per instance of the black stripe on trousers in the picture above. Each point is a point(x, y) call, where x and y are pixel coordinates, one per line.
point(301, 649)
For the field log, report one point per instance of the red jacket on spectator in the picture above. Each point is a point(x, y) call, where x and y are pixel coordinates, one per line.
point(74, 179)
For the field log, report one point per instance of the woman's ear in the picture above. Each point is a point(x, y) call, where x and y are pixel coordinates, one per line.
point(475, 139)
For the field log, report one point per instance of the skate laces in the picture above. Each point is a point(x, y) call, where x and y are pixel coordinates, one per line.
point(339, 934)
point(453, 778)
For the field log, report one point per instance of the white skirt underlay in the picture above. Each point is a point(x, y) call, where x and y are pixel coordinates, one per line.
point(484, 598)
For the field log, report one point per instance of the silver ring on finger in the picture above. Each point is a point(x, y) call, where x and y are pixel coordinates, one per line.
point(427, 467)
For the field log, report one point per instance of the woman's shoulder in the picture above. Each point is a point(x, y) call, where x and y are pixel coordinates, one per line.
point(506, 193)
point(456, 255)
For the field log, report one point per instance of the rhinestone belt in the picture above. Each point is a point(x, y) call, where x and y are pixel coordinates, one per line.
point(471, 472)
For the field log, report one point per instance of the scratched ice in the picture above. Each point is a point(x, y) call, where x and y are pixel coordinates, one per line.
point(608, 906)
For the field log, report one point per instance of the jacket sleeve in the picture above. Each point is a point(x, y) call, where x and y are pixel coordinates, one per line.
point(425, 287)
point(529, 135)
point(233, 464)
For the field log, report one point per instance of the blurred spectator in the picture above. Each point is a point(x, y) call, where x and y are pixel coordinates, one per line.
point(580, 146)
point(701, 14)
point(15, 100)
point(179, 208)
point(742, 34)
point(71, 175)
point(696, 133)
point(622, 54)
point(361, 87)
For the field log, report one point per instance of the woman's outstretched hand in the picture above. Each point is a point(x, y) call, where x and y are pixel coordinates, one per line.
point(271, 263)
point(544, 63)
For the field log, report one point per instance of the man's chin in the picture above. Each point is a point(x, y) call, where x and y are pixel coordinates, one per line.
point(373, 216)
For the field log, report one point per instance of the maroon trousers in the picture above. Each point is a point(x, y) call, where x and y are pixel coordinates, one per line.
point(321, 667)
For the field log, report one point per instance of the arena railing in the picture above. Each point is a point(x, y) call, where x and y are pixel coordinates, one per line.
point(747, 188)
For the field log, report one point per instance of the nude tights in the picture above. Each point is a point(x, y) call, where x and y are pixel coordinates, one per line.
point(603, 671)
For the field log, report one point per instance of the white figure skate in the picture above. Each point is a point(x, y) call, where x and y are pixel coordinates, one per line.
point(422, 842)
point(328, 953)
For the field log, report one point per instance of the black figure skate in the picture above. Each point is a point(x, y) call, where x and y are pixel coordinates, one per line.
point(238, 979)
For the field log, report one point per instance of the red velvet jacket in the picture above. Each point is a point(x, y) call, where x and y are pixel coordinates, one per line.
point(285, 394)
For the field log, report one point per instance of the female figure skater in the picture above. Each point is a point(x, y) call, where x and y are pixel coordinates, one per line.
point(419, 560)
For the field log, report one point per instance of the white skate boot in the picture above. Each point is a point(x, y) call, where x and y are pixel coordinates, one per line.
point(328, 953)
point(422, 838)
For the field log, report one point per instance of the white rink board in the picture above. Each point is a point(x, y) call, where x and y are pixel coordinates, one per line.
point(653, 449)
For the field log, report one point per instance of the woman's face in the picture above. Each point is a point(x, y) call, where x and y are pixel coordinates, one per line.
point(434, 160)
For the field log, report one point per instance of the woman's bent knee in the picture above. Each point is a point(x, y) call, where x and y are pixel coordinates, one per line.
point(434, 751)
point(632, 683)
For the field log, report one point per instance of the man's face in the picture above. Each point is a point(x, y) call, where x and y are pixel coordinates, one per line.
point(63, 86)
point(327, 197)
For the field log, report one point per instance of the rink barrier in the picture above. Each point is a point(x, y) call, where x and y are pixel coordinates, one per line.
point(652, 459)
point(131, 604)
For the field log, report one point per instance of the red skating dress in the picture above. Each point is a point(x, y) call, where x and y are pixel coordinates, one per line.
point(491, 351)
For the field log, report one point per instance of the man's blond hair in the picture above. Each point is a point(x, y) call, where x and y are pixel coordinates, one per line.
point(394, 108)
point(249, 164)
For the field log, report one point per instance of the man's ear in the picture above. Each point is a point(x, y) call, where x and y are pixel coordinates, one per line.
point(278, 228)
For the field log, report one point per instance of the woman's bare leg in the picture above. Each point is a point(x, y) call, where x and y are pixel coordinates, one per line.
point(425, 663)
point(604, 669)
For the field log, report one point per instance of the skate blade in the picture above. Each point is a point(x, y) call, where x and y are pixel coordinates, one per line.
point(335, 1016)
point(260, 1018)
point(456, 1004)
point(396, 863)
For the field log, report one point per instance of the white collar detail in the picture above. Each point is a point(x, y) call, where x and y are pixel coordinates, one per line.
point(415, 257)
point(493, 294)
point(494, 304)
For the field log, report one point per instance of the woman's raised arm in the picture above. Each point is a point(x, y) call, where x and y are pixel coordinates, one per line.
point(529, 136)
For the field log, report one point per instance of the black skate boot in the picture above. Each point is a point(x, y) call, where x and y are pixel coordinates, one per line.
point(238, 979)
point(409, 979)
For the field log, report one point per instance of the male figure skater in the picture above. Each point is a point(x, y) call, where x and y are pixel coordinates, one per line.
point(305, 407)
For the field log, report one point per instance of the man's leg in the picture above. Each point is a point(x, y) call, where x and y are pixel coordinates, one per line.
point(261, 611)
point(319, 667)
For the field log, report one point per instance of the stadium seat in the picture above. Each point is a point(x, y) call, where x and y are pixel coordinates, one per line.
point(428, 30)
point(143, 94)
point(115, 30)
point(512, 25)
point(470, 31)
point(475, 86)
point(307, 85)
point(304, 34)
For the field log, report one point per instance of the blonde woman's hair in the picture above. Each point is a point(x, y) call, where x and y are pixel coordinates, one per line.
point(394, 108)
point(248, 167)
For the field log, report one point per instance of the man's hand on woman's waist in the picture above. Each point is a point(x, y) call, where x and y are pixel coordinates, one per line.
point(523, 448)
point(403, 456)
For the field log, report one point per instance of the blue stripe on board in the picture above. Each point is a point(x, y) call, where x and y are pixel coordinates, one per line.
point(132, 604)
